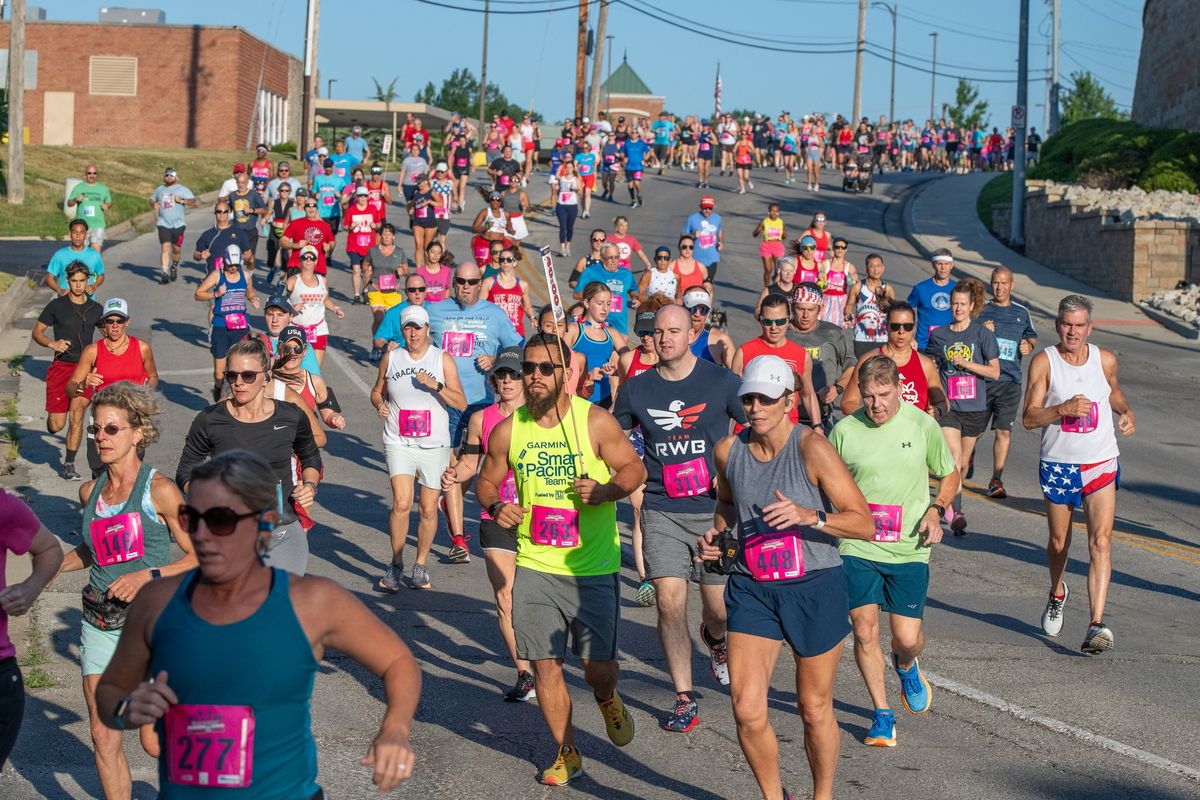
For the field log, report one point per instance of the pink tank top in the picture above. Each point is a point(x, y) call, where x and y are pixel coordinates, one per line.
point(508, 490)
point(437, 285)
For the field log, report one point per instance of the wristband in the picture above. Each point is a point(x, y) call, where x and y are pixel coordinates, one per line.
point(312, 485)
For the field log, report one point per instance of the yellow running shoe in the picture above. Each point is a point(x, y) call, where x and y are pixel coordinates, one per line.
point(567, 767)
point(617, 720)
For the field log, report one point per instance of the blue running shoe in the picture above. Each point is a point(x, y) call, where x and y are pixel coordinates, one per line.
point(883, 729)
point(684, 717)
point(915, 690)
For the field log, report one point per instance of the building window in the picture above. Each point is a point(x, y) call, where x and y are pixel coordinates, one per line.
point(113, 75)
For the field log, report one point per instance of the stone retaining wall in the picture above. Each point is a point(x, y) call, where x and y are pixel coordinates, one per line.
point(1129, 260)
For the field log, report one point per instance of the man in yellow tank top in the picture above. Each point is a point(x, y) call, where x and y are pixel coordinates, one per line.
point(571, 463)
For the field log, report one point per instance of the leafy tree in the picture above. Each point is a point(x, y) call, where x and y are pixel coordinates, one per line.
point(740, 114)
point(1088, 100)
point(460, 93)
point(968, 109)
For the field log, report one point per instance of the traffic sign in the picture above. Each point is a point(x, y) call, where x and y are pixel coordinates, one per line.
point(387, 145)
point(1018, 117)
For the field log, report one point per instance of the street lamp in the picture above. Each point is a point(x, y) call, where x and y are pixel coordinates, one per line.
point(892, 8)
point(329, 87)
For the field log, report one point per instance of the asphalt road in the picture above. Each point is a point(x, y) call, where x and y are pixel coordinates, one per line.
point(1014, 715)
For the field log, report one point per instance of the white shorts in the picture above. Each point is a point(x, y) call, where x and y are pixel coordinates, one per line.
point(427, 463)
point(95, 236)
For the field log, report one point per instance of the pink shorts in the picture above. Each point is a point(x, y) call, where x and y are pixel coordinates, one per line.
point(773, 249)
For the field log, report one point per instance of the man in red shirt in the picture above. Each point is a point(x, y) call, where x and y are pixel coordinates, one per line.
point(773, 316)
point(309, 229)
point(362, 221)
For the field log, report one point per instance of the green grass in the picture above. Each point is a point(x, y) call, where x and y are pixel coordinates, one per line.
point(34, 654)
point(10, 432)
point(997, 190)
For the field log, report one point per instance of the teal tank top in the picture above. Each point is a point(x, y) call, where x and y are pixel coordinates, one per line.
point(116, 537)
point(263, 667)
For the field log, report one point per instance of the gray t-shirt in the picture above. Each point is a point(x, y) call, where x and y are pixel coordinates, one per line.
point(413, 166)
point(170, 209)
point(386, 265)
point(273, 188)
point(831, 351)
point(967, 391)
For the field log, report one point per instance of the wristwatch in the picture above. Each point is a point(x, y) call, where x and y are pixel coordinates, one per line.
point(155, 573)
point(440, 386)
point(820, 523)
point(940, 509)
point(493, 508)
point(119, 713)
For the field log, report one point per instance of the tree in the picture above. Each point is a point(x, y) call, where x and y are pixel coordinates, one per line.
point(460, 93)
point(1088, 100)
point(968, 109)
point(387, 95)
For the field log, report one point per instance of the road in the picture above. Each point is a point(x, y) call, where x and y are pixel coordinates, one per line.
point(1015, 714)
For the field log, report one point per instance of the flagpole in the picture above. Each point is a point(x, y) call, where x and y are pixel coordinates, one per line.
point(717, 94)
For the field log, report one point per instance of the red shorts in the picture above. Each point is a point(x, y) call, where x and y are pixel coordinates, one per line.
point(57, 376)
point(774, 249)
point(589, 181)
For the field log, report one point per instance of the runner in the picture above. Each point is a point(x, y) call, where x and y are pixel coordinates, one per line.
point(620, 282)
point(829, 347)
point(565, 193)
point(171, 670)
point(425, 207)
point(249, 208)
point(931, 297)
point(90, 200)
point(308, 231)
point(770, 249)
point(438, 272)
point(443, 186)
point(77, 250)
point(871, 302)
point(627, 244)
point(660, 281)
point(773, 317)
point(277, 315)
point(169, 200)
point(490, 226)
point(820, 236)
point(689, 272)
point(707, 230)
point(1072, 394)
point(775, 482)
point(784, 284)
point(808, 269)
point(633, 161)
point(384, 268)
point(515, 203)
point(706, 141)
point(130, 517)
point(284, 209)
point(743, 159)
point(968, 360)
point(309, 296)
point(508, 291)
point(585, 165)
point(460, 159)
point(709, 344)
point(504, 170)
point(920, 383)
point(327, 191)
point(839, 280)
point(683, 406)
point(388, 335)
point(294, 383)
point(601, 354)
point(362, 223)
point(890, 448)
point(593, 258)
point(74, 320)
point(610, 159)
point(1015, 337)
point(568, 552)
point(229, 291)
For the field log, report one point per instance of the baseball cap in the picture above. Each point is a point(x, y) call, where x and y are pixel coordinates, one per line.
point(289, 332)
point(327, 163)
point(117, 306)
point(233, 255)
point(509, 358)
point(703, 122)
point(494, 195)
point(308, 248)
point(322, 150)
point(442, 166)
point(280, 302)
point(663, 249)
point(414, 315)
point(362, 191)
point(767, 375)
point(808, 241)
point(708, 202)
point(696, 297)
point(239, 167)
point(644, 323)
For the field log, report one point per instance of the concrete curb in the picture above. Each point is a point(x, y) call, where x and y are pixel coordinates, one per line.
point(1171, 323)
point(13, 299)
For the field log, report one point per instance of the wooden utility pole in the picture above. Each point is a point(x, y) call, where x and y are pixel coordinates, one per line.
point(593, 104)
point(16, 104)
point(308, 123)
point(858, 64)
point(581, 57)
point(487, 8)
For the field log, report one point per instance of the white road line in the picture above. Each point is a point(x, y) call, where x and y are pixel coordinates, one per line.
point(346, 367)
point(175, 373)
point(1150, 759)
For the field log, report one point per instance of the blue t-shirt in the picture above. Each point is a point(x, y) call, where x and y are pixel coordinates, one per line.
point(328, 191)
point(662, 131)
point(216, 242)
point(389, 327)
point(467, 333)
point(170, 213)
point(66, 256)
point(932, 303)
point(1012, 323)
point(705, 231)
point(585, 163)
point(635, 154)
point(355, 146)
point(344, 164)
point(621, 283)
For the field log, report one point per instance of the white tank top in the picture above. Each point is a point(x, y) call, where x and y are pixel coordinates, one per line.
point(495, 223)
point(417, 416)
point(312, 312)
point(1079, 440)
point(662, 283)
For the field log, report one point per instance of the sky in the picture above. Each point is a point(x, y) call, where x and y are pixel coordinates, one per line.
point(809, 67)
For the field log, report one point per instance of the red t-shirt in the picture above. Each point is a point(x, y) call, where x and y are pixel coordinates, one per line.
point(792, 354)
point(627, 245)
point(360, 224)
point(16, 536)
point(314, 232)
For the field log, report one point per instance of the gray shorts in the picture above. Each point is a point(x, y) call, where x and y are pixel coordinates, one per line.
point(547, 609)
point(288, 548)
point(669, 546)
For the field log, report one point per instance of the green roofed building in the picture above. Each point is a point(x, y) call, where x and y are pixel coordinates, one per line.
point(625, 93)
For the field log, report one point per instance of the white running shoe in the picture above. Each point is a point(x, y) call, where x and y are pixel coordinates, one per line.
point(1052, 617)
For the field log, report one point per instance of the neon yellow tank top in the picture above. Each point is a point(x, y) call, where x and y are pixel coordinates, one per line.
point(772, 229)
point(561, 535)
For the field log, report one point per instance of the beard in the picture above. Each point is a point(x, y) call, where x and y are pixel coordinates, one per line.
point(539, 407)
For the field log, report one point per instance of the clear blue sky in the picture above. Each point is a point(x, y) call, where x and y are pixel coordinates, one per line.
point(532, 56)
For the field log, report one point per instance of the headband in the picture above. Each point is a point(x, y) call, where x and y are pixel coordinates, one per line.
point(806, 294)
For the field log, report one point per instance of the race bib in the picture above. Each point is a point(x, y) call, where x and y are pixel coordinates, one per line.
point(328, 199)
point(635, 174)
point(1008, 349)
point(962, 387)
point(340, 172)
point(423, 212)
point(118, 539)
point(504, 180)
point(567, 198)
point(414, 422)
point(387, 282)
point(889, 521)
point(210, 745)
point(508, 489)
point(554, 527)
point(167, 201)
point(775, 556)
point(89, 211)
point(617, 304)
point(705, 147)
point(688, 479)
point(706, 240)
point(460, 344)
point(460, 162)
point(236, 321)
point(835, 280)
point(809, 275)
point(1078, 424)
point(819, 254)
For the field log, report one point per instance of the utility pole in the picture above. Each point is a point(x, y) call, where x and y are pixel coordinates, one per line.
point(893, 9)
point(581, 57)
point(933, 80)
point(593, 103)
point(608, 82)
point(308, 125)
point(16, 104)
point(1054, 88)
point(487, 7)
point(329, 87)
point(1021, 115)
point(858, 59)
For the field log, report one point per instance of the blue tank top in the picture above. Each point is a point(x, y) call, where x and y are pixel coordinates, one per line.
point(112, 537)
point(265, 662)
point(232, 302)
point(699, 347)
point(596, 354)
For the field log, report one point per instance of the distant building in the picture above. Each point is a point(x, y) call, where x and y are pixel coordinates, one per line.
point(151, 85)
point(625, 93)
point(1167, 93)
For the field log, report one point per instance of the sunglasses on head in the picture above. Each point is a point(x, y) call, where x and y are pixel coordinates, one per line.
point(546, 368)
point(777, 323)
point(468, 281)
point(111, 429)
point(220, 520)
point(894, 327)
point(247, 376)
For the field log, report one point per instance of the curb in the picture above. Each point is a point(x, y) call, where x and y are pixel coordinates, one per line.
point(13, 299)
point(1170, 323)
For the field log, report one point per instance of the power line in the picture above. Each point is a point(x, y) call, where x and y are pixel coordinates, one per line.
point(499, 11)
point(726, 39)
point(1085, 68)
point(1091, 9)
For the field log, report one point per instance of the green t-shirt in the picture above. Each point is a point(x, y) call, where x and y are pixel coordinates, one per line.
point(91, 208)
point(890, 464)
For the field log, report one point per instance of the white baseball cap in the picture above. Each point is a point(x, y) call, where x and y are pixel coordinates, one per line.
point(767, 375)
point(233, 255)
point(117, 306)
point(696, 297)
point(414, 315)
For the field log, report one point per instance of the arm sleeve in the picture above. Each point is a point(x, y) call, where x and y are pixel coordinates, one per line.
point(196, 448)
point(304, 446)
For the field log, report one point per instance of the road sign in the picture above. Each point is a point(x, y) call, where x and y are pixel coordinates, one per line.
point(387, 145)
point(1018, 117)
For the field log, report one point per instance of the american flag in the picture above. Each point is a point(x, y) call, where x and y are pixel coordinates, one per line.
point(717, 91)
point(1068, 484)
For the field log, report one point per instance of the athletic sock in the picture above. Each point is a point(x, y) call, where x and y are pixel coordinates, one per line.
point(69, 457)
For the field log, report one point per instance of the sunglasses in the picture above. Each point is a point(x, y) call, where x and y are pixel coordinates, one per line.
point(701, 310)
point(776, 323)
point(662, 258)
point(687, 247)
point(506, 375)
point(546, 368)
point(91, 173)
point(287, 352)
point(221, 211)
point(839, 247)
point(415, 289)
point(220, 520)
point(111, 429)
point(310, 205)
point(762, 399)
point(819, 219)
point(467, 281)
point(309, 257)
point(597, 241)
point(247, 376)
point(508, 261)
point(895, 327)
point(114, 321)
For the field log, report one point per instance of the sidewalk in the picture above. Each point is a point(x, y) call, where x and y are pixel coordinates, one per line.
point(941, 213)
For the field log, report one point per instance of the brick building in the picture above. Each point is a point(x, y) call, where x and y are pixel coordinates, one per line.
point(104, 85)
point(626, 93)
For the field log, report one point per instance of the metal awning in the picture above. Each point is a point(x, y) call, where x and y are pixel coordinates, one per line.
point(376, 114)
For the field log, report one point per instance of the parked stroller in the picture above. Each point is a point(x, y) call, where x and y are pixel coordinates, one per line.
point(859, 174)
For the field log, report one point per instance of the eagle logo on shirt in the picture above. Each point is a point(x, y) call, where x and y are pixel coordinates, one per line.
point(676, 416)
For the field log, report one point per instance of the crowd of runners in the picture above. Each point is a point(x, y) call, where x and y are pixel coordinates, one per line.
point(801, 478)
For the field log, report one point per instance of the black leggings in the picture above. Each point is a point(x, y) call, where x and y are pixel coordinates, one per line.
point(567, 214)
point(12, 705)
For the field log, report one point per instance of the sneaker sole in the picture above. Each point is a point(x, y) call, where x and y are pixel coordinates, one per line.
point(877, 741)
point(928, 695)
point(382, 587)
point(1097, 645)
point(556, 782)
point(532, 695)
point(691, 726)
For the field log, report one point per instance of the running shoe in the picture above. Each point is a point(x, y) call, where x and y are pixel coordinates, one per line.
point(459, 554)
point(420, 577)
point(356, 300)
point(69, 473)
point(616, 720)
point(883, 729)
point(741, 191)
point(175, 271)
point(164, 277)
point(996, 489)
point(1099, 638)
point(567, 767)
point(523, 690)
point(646, 594)
point(375, 356)
point(392, 577)
point(914, 689)
point(958, 525)
point(684, 717)
point(1052, 617)
point(750, 184)
point(718, 657)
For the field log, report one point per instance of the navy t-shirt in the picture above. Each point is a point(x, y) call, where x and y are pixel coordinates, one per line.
point(1012, 323)
point(932, 303)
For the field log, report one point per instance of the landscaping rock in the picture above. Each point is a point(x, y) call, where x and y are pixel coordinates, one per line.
point(1129, 205)
point(1182, 304)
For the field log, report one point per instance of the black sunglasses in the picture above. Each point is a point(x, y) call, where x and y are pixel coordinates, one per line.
point(662, 258)
point(310, 205)
point(901, 326)
point(247, 376)
point(502, 374)
point(703, 310)
point(221, 211)
point(309, 257)
point(220, 520)
point(111, 429)
point(601, 239)
point(114, 321)
point(763, 400)
point(546, 368)
point(467, 281)
point(508, 261)
point(687, 247)
point(415, 288)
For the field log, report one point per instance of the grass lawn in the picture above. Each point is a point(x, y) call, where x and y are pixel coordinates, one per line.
point(997, 190)
point(131, 174)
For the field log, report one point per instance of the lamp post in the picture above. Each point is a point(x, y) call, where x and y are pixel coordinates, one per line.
point(892, 8)
point(329, 87)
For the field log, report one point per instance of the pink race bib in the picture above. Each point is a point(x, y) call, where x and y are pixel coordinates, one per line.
point(687, 479)
point(809, 276)
point(236, 321)
point(706, 240)
point(888, 521)
point(423, 212)
point(363, 239)
point(387, 283)
point(460, 344)
point(508, 489)
point(776, 556)
point(617, 304)
point(1082, 424)
point(504, 180)
point(328, 200)
point(414, 422)
point(210, 745)
point(118, 539)
point(567, 197)
point(962, 387)
point(460, 162)
point(554, 527)
point(836, 280)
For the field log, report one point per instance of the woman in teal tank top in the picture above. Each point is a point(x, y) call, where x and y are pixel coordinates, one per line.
point(234, 647)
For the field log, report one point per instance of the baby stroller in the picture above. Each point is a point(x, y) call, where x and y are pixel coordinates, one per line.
point(858, 174)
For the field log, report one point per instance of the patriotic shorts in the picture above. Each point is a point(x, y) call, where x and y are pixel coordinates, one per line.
point(1068, 484)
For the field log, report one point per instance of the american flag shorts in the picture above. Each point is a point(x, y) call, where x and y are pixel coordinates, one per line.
point(1068, 484)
